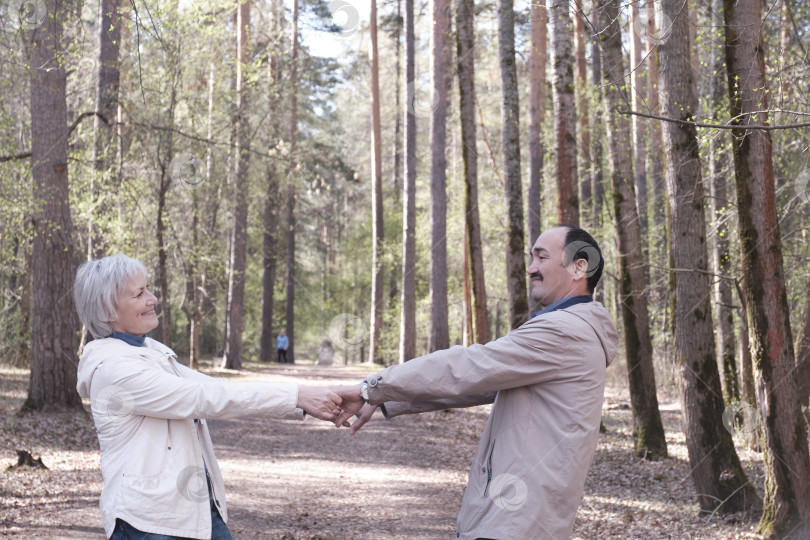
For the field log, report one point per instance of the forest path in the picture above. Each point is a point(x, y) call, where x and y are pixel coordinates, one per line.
point(401, 479)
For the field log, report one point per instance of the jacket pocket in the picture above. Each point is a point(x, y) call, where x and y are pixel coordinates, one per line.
point(488, 468)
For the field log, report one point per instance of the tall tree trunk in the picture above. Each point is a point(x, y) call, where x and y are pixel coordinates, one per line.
point(267, 347)
point(656, 148)
point(232, 358)
point(378, 274)
point(639, 124)
point(537, 113)
point(442, 56)
point(721, 210)
point(291, 184)
point(474, 267)
point(396, 150)
point(52, 383)
point(597, 187)
point(407, 337)
point(803, 359)
point(583, 130)
point(648, 431)
point(510, 116)
point(565, 113)
point(787, 463)
point(109, 37)
point(716, 471)
point(751, 425)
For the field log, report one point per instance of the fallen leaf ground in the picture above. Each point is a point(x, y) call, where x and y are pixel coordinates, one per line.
point(399, 479)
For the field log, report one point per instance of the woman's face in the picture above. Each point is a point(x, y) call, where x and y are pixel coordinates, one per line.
point(136, 308)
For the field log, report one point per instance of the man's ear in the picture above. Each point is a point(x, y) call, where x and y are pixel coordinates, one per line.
point(580, 269)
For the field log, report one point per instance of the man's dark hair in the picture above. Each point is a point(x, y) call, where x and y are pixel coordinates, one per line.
point(581, 245)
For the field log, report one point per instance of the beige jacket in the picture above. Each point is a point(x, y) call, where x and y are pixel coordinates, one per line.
point(153, 454)
point(547, 380)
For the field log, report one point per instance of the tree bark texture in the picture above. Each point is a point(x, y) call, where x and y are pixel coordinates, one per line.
point(441, 58)
point(583, 129)
point(378, 275)
point(292, 177)
point(510, 115)
point(537, 113)
point(787, 481)
point(52, 383)
point(597, 186)
point(565, 112)
point(721, 211)
point(716, 471)
point(656, 147)
point(639, 124)
point(474, 267)
point(648, 431)
point(407, 336)
point(236, 280)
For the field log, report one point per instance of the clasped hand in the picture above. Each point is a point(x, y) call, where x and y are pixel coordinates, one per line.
point(336, 404)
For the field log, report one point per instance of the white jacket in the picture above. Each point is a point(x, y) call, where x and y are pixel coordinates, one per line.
point(153, 454)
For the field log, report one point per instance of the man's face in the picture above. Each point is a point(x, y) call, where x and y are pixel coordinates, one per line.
point(550, 280)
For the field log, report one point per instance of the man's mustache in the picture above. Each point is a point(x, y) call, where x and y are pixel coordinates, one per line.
point(536, 275)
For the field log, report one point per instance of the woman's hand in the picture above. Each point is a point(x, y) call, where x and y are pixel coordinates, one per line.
point(319, 401)
point(363, 416)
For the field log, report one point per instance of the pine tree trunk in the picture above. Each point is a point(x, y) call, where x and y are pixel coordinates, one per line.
point(474, 267)
point(291, 191)
point(565, 113)
point(236, 280)
point(716, 471)
point(639, 124)
point(52, 383)
point(597, 186)
point(721, 210)
point(510, 116)
point(407, 337)
point(656, 148)
point(787, 463)
point(378, 274)
point(537, 113)
point(109, 36)
point(441, 58)
point(583, 129)
point(648, 431)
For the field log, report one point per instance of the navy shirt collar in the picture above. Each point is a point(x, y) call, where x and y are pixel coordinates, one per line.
point(563, 303)
point(135, 341)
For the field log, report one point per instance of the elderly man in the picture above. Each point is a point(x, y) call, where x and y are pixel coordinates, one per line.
point(546, 379)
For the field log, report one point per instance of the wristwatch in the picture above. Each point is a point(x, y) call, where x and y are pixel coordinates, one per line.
point(364, 391)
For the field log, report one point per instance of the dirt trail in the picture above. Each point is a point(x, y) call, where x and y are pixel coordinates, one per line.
point(398, 479)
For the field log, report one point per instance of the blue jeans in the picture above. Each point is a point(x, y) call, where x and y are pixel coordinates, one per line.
point(125, 531)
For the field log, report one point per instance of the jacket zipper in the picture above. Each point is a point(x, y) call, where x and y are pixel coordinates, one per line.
point(489, 468)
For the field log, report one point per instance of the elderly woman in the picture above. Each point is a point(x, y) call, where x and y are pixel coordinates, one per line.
point(161, 478)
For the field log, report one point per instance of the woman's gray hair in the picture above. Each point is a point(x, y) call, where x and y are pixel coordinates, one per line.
point(98, 284)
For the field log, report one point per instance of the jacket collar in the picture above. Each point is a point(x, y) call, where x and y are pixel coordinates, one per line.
point(563, 303)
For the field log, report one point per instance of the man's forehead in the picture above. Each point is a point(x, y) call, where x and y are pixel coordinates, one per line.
point(550, 241)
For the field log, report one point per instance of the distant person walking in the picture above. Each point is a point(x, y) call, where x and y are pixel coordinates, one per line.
point(282, 344)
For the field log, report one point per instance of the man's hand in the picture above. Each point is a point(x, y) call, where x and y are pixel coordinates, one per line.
point(351, 403)
point(363, 416)
point(319, 401)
